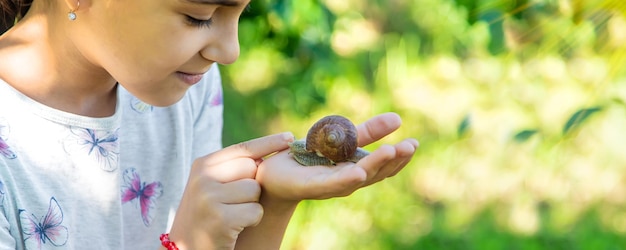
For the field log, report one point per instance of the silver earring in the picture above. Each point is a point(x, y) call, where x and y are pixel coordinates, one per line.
point(72, 14)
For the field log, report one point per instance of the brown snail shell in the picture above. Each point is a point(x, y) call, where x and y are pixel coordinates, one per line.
point(333, 137)
point(330, 140)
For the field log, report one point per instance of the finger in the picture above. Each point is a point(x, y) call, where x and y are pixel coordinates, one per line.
point(374, 162)
point(238, 192)
point(254, 149)
point(377, 127)
point(245, 214)
point(404, 152)
point(236, 169)
point(414, 143)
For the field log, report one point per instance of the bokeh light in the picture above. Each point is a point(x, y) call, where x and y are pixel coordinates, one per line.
point(519, 106)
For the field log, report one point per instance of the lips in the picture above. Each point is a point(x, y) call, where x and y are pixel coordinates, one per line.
point(189, 78)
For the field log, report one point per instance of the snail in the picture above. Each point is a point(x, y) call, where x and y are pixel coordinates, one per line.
point(330, 140)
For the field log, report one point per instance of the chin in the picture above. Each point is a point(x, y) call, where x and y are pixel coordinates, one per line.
point(159, 94)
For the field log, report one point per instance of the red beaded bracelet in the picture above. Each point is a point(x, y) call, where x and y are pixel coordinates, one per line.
point(165, 241)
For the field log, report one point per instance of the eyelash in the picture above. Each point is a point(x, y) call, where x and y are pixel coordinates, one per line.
point(199, 22)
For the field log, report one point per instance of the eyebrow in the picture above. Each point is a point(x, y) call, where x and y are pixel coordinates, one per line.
point(217, 2)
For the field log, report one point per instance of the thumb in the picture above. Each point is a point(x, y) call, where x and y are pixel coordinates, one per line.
point(254, 149)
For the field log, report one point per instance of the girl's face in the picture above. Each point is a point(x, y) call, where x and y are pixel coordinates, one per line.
point(157, 49)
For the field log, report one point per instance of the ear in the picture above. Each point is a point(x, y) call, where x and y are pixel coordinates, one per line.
point(72, 5)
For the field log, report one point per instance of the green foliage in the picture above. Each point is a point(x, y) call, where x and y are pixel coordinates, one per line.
point(485, 234)
point(464, 126)
point(528, 169)
point(524, 135)
point(578, 118)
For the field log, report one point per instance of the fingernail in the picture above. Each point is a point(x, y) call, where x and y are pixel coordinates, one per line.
point(288, 136)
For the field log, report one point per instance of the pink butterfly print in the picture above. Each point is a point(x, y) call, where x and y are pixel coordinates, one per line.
point(5, 150)
point(44, 230)
point(217, 98)
point(147, 194)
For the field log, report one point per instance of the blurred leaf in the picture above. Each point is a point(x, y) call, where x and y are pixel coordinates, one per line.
point(618, 101)
point(578, 118)
point(464, 126)
point(524, 135)
point(494, 18)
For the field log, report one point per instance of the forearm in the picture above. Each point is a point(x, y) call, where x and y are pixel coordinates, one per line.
point(268, 234)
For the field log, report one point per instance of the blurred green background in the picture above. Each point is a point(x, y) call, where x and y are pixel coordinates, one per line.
point(519, 106)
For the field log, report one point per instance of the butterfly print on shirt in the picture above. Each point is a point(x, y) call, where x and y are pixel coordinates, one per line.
point(135, 190)
point(40, 231)
point(2, 192)
point(101, 146)
point(5, 150)
point(218, 98)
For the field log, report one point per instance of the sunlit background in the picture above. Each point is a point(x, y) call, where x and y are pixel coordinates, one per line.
point(519, 106)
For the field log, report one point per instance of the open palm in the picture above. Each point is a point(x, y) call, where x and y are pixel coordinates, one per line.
point(283, 178)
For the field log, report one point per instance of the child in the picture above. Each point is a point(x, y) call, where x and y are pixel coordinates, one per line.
point(110, 124)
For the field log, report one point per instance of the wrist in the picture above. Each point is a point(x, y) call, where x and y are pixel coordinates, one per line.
point(268, 234)
point(276, 205)
point(167, 243)
point(175, 238)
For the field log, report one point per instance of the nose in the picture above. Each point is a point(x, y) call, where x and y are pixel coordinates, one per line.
point(223, 46)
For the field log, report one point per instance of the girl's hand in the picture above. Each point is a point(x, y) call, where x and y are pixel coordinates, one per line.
point(284, 180)
point(221, 197)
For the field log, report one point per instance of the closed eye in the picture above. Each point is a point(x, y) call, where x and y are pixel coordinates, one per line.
point(200, 23)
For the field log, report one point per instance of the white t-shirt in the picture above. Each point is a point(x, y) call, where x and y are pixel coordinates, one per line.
point(76, 182)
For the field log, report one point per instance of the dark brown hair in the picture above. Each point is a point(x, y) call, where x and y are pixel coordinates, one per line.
point(11, 11)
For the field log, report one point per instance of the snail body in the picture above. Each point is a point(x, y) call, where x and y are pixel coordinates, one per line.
point(330, 140)
point(306, 158)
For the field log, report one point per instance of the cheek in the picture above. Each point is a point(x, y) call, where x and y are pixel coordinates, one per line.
point(140, 38)
point(148, 41)
point(140, 54)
